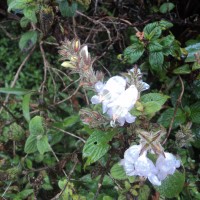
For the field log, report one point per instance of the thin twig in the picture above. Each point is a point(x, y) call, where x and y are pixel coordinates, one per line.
point(68, 133)
point(17, 74)
point(58, 161)
point(46, 66)
point(101, 179)
point(68, 98)
point(6, 189)
point(66, 184)
point(96, 22)
point(175, 110)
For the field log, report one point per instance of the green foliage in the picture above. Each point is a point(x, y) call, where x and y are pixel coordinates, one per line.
point(97, 146)
point(166, 117)
point(37, 140)
point(66, 9)
point(117, 172)
point(166, 7)
point(35, 124)
point(28, 39)
point(172, 185)
point(133, 52)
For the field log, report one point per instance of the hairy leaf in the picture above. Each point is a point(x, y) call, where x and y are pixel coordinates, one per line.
point(133, 52)
point(97, 145)
point(117, 172)
point(172, 185)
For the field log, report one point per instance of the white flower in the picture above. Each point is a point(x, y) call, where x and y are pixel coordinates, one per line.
point(139, 165)
point(118, 110)
point(166, 165)
point(130, 157)
point(135, 164)
point(108, 92)
point(145, 167)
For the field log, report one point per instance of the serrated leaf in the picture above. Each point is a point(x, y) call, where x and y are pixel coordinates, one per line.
point(167, 41)
point(133, 52)
point(43, 144)
point(172, 185)
point(166, 117)
point(117, 172)
point(158, 97)
point(156, 60)
point(152, 31)
point(36, 126)
point(196, 88)
point(26, 107)
point(27, 39)
point(184, 69)
point(165, 24)
point(195, 112)
point(154, 46)
point(97, 145)
point(31, 144)
point(166, 7)
point(29, 13)
point(16, 91)
point(66, 9)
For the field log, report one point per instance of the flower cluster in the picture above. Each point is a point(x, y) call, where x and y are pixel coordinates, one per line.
point(137, 164)
point(118, 96)
point(78, 60)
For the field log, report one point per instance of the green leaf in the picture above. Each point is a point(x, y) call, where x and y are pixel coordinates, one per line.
point(144, 192)
point(195, 66)
point(16, 91)
point(151, 107)
point(133, 52)
point(152, 31)
point(25, 193)
point(31, 144)
point(43, 144)
point(29, 13)
point(117, 172)
point(184, 69)
point(158, 97)
point(24, 22)
point(167, 41)
point(17, 5)
point(25, 106)
point(172, 185)
point(166, 118)
point(107, 198)
point(192, 50)
point(165, 24)
point(70, 121)
point(36, 126)
point(66, 9)
point(154, 46)
point(195, 112)
point(166, 7)
point(156, 60)
point(97, 145)
point(27, 39)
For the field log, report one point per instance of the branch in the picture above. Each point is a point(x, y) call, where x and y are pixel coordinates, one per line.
point(175, 110)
